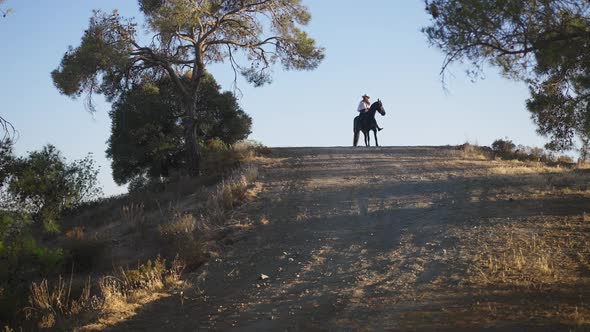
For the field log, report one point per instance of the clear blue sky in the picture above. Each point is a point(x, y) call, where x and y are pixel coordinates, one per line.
point(375, 48)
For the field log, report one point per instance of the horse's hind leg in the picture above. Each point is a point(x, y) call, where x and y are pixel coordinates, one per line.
point(368, 138)
point(355, 140)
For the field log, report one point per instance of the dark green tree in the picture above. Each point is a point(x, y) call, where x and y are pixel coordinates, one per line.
point(6, 160)
point(147, 127)
point(223, 117)
point(146, 136)
point(185, 36)
point(545, 43)
point(44, 184)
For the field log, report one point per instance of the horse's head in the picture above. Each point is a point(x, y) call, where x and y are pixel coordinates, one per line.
point(378, 106)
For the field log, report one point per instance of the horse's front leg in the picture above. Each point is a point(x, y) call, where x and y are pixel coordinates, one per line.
point(376, 142)
point(368, 138)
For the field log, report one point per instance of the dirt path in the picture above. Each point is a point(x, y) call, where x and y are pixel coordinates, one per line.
point(369, 239)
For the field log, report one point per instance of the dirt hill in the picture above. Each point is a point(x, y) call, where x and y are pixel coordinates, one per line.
point(396, 239)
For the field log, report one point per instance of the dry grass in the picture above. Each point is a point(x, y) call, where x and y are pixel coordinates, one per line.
point(229, 193)
point(122, 293)
point(522, 168)
point(54, 306)
point(191, 236)
point(133, 213)
point(76, 233)
point(150, 276)
point(181, 224)
point(119, 295)
point(127, 287)
point(134, 228)
point(468, 151)
point(528, 252)
point(188, 237)
point(264, 221)
point(250, 150)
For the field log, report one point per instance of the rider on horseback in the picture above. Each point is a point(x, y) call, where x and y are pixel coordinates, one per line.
point(364, 106)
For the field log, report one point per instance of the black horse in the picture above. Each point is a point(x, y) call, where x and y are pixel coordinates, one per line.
point(366, 122)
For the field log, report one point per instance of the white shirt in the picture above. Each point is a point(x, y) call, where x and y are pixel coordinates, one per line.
point(364, 107)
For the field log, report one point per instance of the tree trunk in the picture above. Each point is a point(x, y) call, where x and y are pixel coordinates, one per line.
point(190, 115)
point(190, 137)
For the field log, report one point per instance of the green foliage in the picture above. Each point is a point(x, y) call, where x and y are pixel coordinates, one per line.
point(27, 252)
point(138, 183)
point(223, 117)
point(186, 36)
point(507, 150)
point(99, 64)
point(147, 131)
point(146, 137)
point(543, 43)
point(44, 184)
point(20, 252)
point(503, 148)
point(22, 259)
point(219, 158)
point(6, 159)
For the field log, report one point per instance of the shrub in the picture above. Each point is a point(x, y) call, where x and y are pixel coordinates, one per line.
point(150, 276)
point(22, 259)
point(537, 154)
point(52, 306)
point(134, 214)
point(20, 252)
point(474, 151)
point(503, 148)
point(187, 236)
point(228, 193)
point(192, 250)
point(44, 184)
point(82, 252)
point(565, 160)
point(218, 158)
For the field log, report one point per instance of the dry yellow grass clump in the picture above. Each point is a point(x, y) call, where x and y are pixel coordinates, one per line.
point(56, 306)
point(542, 254)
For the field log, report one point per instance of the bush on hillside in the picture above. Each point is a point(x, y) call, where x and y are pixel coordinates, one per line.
point(44, 184)
point(503, 148)
point(218, 158)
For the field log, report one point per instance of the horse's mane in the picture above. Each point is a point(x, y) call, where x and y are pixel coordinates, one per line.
point(375, 104)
